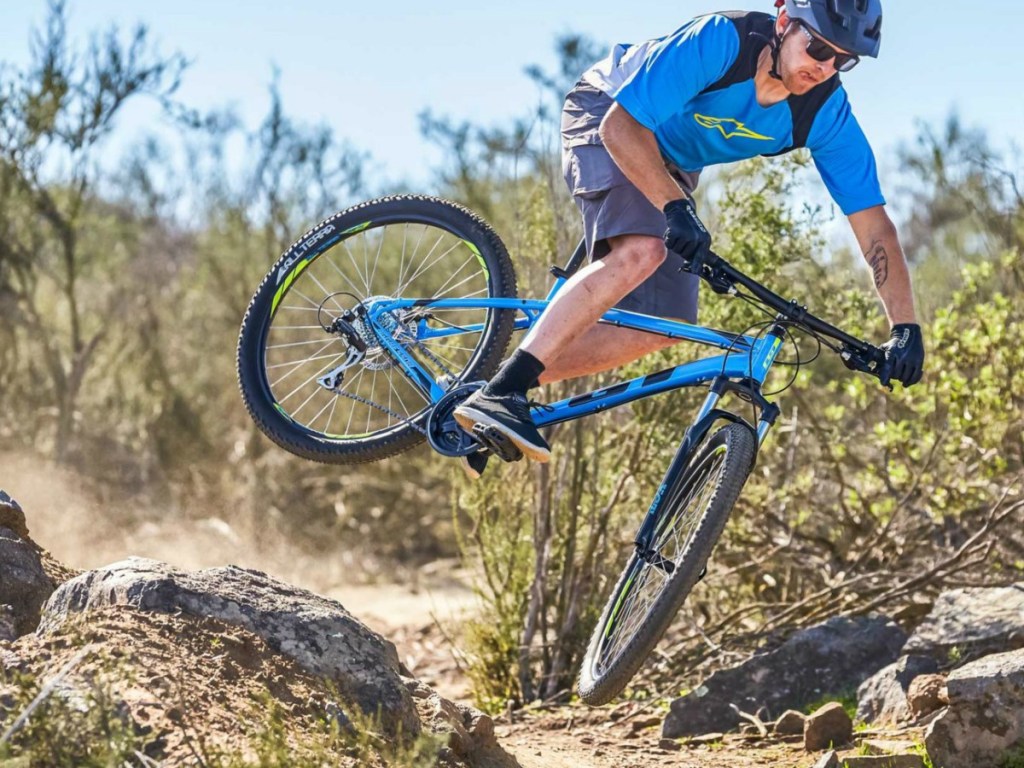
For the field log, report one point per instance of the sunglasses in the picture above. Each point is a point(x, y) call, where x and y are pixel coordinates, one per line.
point(819, 50)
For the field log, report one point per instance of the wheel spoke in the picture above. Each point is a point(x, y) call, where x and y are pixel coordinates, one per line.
point(423, 258)
point(685, 508)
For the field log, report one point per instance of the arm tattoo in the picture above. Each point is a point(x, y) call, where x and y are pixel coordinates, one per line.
point(879, 261)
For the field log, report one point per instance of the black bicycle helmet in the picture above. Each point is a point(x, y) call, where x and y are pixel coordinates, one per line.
point(853, 25)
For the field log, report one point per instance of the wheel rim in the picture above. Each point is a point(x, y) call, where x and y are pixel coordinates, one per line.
point(684, 509)
point(412, 259)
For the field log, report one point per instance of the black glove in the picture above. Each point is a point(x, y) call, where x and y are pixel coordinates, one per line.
point(686, 234)
point(904, 355)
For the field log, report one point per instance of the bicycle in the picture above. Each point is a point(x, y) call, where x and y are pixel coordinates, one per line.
point(443, 324)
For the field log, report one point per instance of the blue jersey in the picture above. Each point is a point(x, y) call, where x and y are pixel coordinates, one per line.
point(695, 91)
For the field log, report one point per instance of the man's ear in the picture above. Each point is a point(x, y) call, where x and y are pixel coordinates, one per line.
point(781, 22)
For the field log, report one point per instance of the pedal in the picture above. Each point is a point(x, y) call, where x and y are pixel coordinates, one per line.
point(496, 442)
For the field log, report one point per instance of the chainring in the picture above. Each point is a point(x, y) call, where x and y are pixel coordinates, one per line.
point(443, 432)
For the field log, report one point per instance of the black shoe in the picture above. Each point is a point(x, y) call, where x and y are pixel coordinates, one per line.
point(509, 415)
point(474, 464)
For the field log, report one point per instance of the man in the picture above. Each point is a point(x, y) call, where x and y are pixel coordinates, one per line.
point(637, 130)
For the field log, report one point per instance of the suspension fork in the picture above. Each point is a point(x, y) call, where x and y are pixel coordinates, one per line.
point(708, 414)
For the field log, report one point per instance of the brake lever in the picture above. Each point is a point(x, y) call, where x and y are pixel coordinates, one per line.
point(869, 362)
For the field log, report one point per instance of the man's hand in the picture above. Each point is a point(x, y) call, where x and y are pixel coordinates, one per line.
point(904, 355)
point(686, 234)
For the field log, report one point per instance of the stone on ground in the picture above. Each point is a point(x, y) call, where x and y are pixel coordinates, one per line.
point(882, 698)
point(827, 727)
point(790, 723)
point(926, 694)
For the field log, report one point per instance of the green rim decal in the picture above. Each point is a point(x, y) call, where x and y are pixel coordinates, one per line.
point(285, 285)
point(618, 606)
point(306, 261)
point(357, 228)
point(479, 257)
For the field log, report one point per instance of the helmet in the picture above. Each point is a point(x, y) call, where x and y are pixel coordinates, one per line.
point(854, 25)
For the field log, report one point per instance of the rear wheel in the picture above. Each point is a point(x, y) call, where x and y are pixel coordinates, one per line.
point(392, 248)
point(647, 596)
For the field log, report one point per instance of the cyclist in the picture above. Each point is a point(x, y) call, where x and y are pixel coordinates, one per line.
point(637, 130)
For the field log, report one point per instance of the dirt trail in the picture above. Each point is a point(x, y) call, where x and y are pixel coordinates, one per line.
point(421, 618)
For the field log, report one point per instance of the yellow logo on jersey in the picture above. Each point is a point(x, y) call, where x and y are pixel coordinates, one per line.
point(729, 127)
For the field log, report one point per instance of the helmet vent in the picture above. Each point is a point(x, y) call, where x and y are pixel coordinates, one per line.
point(876, 31)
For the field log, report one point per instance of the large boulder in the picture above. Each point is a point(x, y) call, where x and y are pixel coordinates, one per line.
point(882, 698)
point(985, 716)
point(828, 658)
point(24, 582)
point(318, 633)
point(965, 624)
point(11, 515)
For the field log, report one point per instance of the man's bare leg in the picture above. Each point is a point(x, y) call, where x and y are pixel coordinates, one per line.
point(499, 412)
point(590, 293)
point(602, 348)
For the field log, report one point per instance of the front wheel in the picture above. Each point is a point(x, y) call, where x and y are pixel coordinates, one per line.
point(342, 397)
point(650, 590)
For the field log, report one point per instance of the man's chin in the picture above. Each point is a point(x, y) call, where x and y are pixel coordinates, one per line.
point(798, 85)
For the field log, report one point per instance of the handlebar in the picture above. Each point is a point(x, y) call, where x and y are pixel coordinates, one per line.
point(723, 277)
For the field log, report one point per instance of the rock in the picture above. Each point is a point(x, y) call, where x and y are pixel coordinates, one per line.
point(885, 746)
point(829, 760)
point(8, 630)
point(884, 761)
point(24, 584)
point(827, 727)
point(470, 732)
point(669, 745)
point(319, 634)
point(11, 516)
point(707, 738)
point(985, 716)
point(827, 658)
point(882, 698)
point(790, 723)
point(965, 624)
point(926, 694)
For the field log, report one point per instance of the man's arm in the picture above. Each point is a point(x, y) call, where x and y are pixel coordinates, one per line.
point(635, 150)
point(880, 244)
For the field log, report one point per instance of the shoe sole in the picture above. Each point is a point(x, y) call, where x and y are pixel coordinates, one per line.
point(468, 418)
point(471, 473)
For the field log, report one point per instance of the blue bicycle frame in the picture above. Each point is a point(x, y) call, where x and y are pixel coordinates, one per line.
point(745, 357)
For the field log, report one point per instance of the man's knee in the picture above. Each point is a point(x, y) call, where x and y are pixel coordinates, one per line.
point(639, 254)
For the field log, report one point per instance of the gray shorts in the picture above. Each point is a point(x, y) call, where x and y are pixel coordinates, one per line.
point(612, 206)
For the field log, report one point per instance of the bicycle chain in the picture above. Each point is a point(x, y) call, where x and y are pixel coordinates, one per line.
point(379, 407)
point(366, 401)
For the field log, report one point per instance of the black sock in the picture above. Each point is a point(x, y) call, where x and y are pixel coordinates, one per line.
point(517, 374)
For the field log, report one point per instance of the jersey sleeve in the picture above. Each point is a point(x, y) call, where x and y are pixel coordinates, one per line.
point(843, 156)
point(679, 67)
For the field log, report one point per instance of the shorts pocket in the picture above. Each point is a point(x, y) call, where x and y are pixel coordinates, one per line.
point(590, 171)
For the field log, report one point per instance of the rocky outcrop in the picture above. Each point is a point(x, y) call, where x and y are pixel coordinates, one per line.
point(965, 624)
point(24, 582)
point(828, 658)
point(882, 698)
point(985, 716)
point(318, 633)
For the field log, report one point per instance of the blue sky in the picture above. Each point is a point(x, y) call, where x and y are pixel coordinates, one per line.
point(367, 69)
